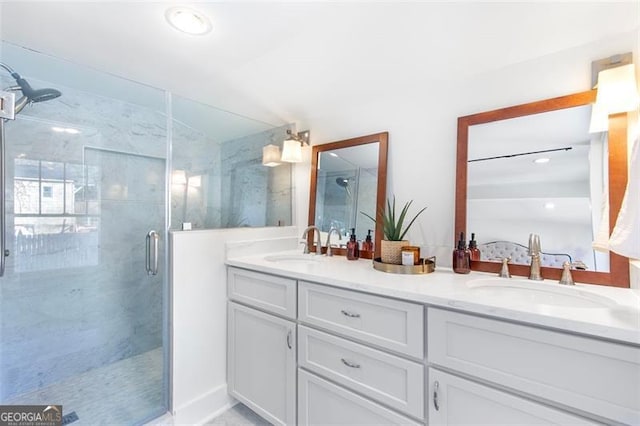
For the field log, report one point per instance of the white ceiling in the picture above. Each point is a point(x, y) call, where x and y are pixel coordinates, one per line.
point(282, 62)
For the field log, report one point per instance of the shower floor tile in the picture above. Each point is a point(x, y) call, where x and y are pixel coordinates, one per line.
point(116, 394)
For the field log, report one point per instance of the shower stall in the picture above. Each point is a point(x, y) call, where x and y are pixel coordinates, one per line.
point(97, 170)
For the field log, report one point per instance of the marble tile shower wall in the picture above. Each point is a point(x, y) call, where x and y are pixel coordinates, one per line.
point(195, 187)
point(59, 320)
point(224, 184)
point(252, 194)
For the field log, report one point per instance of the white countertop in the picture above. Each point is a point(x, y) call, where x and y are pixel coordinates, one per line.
point(619, 320)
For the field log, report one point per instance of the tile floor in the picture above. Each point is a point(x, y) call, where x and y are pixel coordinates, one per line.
point(238, 415)
point(110, 395)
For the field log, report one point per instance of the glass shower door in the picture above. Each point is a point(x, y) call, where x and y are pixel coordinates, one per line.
point(83, 318)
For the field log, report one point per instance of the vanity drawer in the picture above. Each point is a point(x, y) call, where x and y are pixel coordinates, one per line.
point(594, 376)
point(320, 402)
point(267, 292)
point(384, 322)
point(386, 378)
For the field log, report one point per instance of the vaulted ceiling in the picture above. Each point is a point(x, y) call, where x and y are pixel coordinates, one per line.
point(282, 62)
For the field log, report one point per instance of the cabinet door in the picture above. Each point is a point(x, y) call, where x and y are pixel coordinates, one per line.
point(261, 364)
point(320, 402)
point(456, 401)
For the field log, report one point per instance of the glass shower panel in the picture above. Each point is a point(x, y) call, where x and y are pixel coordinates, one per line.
point(218, 180)
point(82, 323)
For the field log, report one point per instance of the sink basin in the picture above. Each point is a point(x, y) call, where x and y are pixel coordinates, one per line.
point(536, 293)
point(294, 258)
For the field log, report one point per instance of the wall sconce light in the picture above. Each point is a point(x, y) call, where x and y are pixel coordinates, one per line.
point(615, 79)
point(271, 156)
point(292, 147)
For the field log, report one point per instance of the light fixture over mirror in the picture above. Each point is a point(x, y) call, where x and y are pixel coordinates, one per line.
point(615, 80)
point(349, 177)
point(556, 188)
point(271, 155)
point(292, 146)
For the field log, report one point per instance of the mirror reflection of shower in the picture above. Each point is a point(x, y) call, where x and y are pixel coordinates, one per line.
point(344, 182)
point(350, 184)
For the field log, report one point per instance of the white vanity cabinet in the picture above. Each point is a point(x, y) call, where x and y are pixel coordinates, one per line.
point(596, 378)
point(370, 347)
point(314, 354)
point(261, 360)
point(321, 402)
point(458, 401)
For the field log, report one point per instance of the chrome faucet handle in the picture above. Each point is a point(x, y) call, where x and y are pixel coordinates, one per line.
point(306, 246)
point(504, 271)
point(318, 244)
point(534, 252)
point(328, 243)
point(534, 244)
point(566, 278)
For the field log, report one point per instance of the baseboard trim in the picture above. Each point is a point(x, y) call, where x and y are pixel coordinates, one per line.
point(204, 408)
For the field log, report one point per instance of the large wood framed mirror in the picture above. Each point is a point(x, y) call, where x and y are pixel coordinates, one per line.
point(349, 177)
point(535, 168)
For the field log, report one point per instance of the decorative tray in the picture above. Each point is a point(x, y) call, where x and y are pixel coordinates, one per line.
point(426, 266)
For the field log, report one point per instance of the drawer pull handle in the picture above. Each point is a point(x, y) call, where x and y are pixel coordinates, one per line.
point(350, 314)
point(289, 339)
point(436, 405)
point(349, 364)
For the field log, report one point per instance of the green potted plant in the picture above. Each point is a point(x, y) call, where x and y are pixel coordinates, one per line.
point(391, 245)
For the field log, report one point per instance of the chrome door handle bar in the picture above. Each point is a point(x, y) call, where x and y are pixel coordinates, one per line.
point(3, 235)
point(151, 257)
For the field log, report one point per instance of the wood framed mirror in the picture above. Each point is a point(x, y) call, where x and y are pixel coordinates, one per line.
point(349, 177)
point(535, 168)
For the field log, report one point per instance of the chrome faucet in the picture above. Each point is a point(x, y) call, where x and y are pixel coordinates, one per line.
point(534, 252)
point(566, 278)
point(504, 271)
point(328, 244)
point(318, 242)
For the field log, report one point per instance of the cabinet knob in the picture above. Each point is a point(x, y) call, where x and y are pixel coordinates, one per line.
point(436, 387)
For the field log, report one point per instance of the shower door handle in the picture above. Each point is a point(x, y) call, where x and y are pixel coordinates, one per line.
point(3, 237)
point(151, 258)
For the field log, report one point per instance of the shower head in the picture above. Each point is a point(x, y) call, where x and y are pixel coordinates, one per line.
point(342, 182)
point(29, 94)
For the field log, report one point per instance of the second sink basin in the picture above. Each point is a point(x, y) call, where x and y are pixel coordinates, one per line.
point(536, 293)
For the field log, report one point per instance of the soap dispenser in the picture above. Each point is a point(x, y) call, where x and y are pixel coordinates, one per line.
point(353, 250)
point(474, 251)
point(461, 257)
point(368, 243)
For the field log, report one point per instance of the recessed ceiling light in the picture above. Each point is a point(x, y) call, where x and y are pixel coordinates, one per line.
point(541, 160)
point(333, 154)
point(188, 20)
point(549, 206)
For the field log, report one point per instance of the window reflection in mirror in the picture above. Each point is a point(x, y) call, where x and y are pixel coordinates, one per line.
point(542, 173)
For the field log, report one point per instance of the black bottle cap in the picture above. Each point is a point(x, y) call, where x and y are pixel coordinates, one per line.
point(461, 244)
point(353, 234)
point(368, 235)
point(473, 243)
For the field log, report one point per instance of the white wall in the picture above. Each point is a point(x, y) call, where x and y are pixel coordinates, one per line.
point(199, 327)
point(422, 127)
